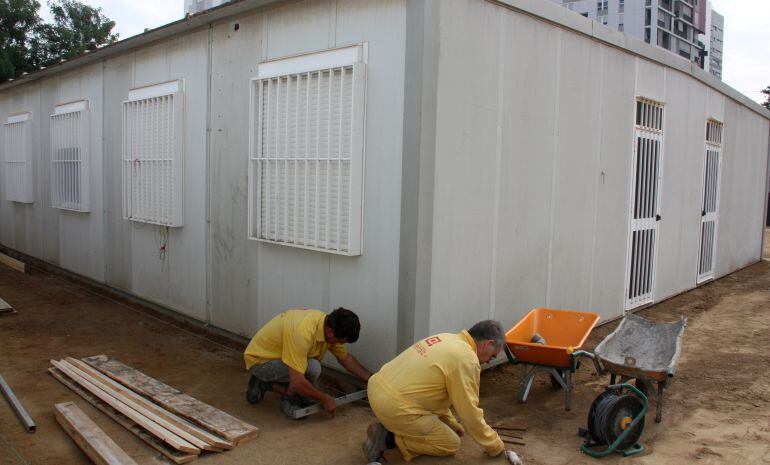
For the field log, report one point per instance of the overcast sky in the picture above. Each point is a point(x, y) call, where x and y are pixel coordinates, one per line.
point(746, 64)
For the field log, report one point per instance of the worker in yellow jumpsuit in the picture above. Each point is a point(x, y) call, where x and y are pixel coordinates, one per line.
point(284, 356)
point(412, 393)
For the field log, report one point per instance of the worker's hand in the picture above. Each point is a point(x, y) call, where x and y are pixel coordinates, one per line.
point(513, 457)
point(329, 405)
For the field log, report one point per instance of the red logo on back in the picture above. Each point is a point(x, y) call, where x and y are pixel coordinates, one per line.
point(432, 340)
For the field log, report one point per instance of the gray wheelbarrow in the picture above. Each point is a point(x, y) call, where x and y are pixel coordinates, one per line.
point(645, 351)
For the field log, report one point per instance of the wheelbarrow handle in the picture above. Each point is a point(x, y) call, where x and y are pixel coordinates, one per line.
point(597, 363)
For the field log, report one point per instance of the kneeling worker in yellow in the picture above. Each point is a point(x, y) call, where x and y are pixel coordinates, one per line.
point(412, 393)
point(284, 356)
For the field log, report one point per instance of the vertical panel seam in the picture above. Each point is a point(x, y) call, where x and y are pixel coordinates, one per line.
point(498, 171)
point(554, 154)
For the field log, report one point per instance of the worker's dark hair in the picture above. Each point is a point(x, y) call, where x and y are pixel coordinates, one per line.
point(488, 330)
point(345, 324)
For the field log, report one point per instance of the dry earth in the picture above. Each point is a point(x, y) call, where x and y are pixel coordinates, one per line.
point(717, 409)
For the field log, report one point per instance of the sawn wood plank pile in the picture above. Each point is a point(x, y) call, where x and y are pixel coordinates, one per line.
point(175, 424)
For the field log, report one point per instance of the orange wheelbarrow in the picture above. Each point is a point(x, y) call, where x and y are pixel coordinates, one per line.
point(547, 340)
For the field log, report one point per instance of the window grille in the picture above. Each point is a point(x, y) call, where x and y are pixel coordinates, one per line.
point(153, 154)
point(70, 157)
point(645, 198)
point(19, 185)
point(710, 203)
point(307, 150)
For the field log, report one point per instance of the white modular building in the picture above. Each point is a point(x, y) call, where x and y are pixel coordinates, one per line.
point(425, 163)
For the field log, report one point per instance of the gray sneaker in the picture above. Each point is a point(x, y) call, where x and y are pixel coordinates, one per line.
point(375, 443)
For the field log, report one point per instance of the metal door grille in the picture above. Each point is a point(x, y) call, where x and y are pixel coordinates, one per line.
point(307, 159)
point(645, 197)
point(153, 170)
point(710, 201)
point(69, 160)
point(18, 159)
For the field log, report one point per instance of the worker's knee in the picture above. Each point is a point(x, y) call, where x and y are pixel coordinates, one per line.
point(453, 443)
point(313, 370)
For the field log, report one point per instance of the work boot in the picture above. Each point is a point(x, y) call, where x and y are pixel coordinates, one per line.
point(257, 389)
point(376, 441)
point(291, 403)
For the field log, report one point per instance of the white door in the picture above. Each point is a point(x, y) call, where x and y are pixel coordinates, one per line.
point(708, 230)
point(645, 196)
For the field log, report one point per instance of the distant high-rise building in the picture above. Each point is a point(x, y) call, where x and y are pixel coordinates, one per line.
point(716, 34)
point(196, 6)
point(675, 25)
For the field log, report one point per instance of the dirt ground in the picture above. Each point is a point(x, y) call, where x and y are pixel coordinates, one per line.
point(717, 409)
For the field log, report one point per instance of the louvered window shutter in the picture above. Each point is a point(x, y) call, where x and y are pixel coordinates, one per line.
point(19, 167)
point(153, 155)
point(70, 157)
point(306, 162)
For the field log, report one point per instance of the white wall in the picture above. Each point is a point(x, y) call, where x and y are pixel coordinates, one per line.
point(534, 137)
point(69, 239)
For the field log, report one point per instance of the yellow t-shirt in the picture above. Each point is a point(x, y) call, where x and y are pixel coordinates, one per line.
point(433, 374)
point(292, 337)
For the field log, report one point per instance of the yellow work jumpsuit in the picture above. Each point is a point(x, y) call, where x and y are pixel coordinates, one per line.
point(412, 393)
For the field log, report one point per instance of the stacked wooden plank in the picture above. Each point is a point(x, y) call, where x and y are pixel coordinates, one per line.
point(175, 424)
point(5, 308)
point(90, 438)
point(12, 262)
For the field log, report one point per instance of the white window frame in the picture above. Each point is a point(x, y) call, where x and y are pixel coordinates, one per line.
point(19, 183)
point(299, 67)
point(155, 195)
point(70, 128)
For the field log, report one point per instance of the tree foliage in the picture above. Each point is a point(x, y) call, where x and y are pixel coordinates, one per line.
point(18, 23)
point(766, 91)
point(29, 43)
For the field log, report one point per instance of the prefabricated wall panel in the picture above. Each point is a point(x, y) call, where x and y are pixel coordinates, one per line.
point(496, 168)
point(251, 281)
point(533, 168)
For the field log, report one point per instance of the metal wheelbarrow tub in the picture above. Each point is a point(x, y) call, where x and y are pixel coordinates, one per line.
point(642, 350)
point(560, 333)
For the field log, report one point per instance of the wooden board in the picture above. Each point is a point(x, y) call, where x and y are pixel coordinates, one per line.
point(157, 419)
point(5, 308)
point(12, 262)
point(174, 400)
point(90, 438)
point(179, 422)
point(155, 429)
point(173, 455)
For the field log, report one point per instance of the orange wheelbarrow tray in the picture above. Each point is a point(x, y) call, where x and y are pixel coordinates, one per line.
point(547, 340)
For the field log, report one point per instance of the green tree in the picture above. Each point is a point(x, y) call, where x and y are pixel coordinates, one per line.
point(18, 22)
point(766, 91)
point(76, 28)
point(27, 43)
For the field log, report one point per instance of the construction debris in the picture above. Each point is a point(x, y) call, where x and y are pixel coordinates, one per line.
point(119, 391)
point(29, 424)
point(13, 263)
point(90, 438)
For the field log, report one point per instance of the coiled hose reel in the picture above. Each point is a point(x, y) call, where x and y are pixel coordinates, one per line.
point(615, 420)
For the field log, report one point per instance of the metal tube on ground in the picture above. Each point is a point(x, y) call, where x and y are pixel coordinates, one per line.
point(29, 424)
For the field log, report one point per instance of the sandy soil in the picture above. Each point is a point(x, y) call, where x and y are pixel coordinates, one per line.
point(717, 409)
